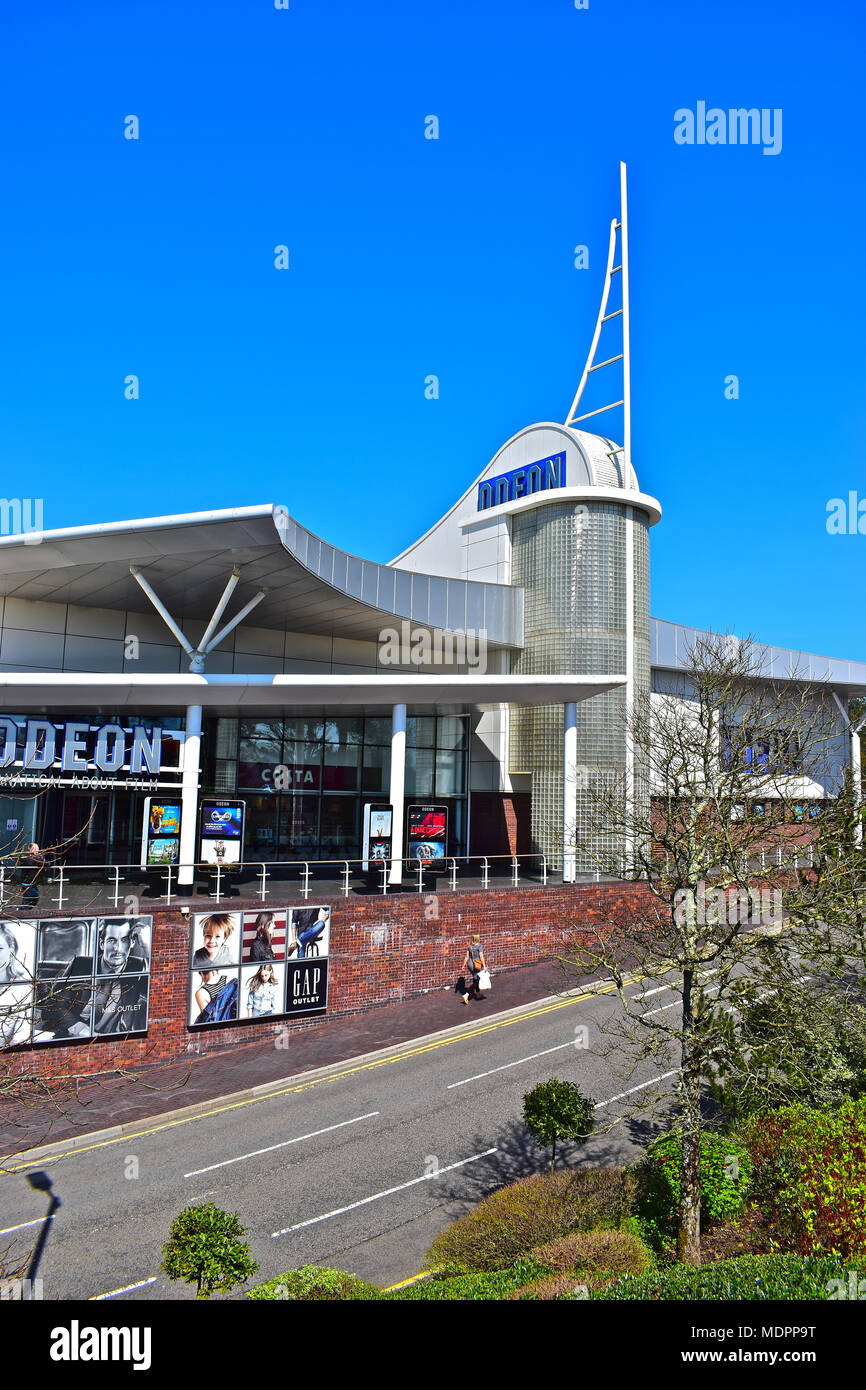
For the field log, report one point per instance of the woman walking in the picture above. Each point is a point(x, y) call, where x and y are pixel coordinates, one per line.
point(474, 963)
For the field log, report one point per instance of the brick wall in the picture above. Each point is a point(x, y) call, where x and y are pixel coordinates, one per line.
point(382, 949)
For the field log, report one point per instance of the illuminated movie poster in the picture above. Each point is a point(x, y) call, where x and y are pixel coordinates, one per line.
point(160, 840)
point(258, 965)
point(222, 832)
point(427, 832)
point(92, 977)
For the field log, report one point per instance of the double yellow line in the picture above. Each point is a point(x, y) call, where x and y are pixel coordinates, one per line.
point(11, 1168)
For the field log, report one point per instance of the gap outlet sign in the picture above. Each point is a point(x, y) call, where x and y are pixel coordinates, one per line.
point(522, 482)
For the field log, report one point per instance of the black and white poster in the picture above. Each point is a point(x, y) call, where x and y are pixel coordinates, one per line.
point(92, 978)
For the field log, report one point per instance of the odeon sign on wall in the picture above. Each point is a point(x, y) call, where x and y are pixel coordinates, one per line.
point(86, 754)
point(522, 482)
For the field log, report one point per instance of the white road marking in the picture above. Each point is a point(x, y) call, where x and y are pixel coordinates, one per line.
point(642, 1087)
point(196, 1172)
point(7, 1230)
point(506, 1065)
point(97, 1297)
point(649, 1013)
point(389, 1192)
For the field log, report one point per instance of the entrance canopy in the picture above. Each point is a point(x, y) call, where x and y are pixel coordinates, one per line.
point(68, 688)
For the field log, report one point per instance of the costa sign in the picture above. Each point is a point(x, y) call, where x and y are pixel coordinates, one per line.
point(81, 746)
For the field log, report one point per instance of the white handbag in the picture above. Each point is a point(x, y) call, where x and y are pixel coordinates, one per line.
point(484, 981)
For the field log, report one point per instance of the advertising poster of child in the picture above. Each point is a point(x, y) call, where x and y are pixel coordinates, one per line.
point(217, 938)
point(213, 996)
point(264, 936)
point(263, 989)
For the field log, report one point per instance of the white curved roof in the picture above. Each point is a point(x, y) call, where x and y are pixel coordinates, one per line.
point(592, 462)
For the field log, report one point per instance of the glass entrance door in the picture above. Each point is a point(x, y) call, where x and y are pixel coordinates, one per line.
point(84, 828)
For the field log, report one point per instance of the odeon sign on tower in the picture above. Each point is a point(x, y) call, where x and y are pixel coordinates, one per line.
point(252, 650)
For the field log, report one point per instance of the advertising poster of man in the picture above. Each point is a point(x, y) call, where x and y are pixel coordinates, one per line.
point(264, 936)
point(307, 970)
point(217, 939)
point(64, 978)
point(311, 926)
point(66, 948)
point(122, 987)
point(263, 989)
point(92, 977)
point(213, 996)
point(17, 965)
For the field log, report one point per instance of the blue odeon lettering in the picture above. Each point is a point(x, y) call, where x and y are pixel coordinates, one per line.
point(81, 746)
point(522, 482)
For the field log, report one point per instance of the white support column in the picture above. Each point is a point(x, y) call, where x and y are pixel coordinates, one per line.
point(626, 329)
point(569, 794)
point(189, 796)
point(856, 774)
point(856, 764)
point(630, 798)
point(396, 794)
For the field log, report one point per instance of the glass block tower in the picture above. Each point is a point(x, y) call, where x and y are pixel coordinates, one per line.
point(577, 561)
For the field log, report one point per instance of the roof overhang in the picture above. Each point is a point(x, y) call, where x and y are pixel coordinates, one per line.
point(312, 587)
point(21, 691)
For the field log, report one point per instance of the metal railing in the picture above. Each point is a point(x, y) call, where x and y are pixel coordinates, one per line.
point(130, 888)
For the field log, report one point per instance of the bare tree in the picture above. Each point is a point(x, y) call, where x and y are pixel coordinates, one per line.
point(728, 758)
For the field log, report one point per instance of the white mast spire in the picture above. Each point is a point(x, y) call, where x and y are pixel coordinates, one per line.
point(604, 317)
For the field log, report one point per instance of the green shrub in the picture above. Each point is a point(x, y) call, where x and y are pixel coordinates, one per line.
point(588, 1260)
point(558, 1111)
point(470, 1287)
point(810, 1177)
point(313, 1284)
point(749, 1277)
point(602, 1251)
point(205, 1248)
point(726, 1172)
point(513, 1221)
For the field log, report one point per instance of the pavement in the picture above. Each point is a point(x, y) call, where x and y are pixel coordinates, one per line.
point(113, 1100)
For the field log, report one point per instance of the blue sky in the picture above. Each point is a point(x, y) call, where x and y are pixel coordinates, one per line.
point(452, 257)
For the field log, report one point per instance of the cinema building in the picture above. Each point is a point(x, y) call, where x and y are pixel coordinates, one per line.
point(168, 684)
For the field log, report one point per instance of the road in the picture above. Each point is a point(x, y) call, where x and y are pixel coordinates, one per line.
point(358, 1167)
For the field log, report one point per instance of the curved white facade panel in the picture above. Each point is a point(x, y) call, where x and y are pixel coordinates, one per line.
point(473, 539)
